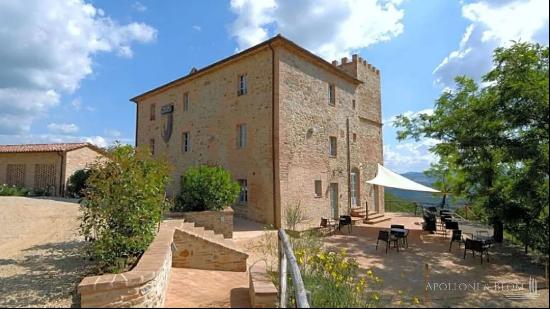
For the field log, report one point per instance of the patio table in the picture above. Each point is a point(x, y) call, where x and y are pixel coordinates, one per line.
point(399, 233)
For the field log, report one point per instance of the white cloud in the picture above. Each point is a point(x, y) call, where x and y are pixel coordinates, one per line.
point(47, 51)
point(63, 128)
point(138, 6)
point(409, 114)
point(77, 105)
point(493, 24)
point(409, 156)
point(197, 28)
point(97, 140)
point(331, 29)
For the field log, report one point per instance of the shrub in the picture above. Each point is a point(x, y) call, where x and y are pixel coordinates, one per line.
point(294, 216)
point(123, 204)
point(77, 183)
point(206, 188)
point(7, 190)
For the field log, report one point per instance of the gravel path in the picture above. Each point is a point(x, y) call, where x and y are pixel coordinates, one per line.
point(41, 258)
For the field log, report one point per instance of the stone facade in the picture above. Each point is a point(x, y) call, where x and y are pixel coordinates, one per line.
point(46, 169)
point(290, 121)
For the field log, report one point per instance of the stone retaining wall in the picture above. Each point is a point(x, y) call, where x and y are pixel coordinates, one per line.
point(221, 222)
point(144, 286)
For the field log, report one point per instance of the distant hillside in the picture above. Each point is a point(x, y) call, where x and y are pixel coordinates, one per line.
point(420, 197)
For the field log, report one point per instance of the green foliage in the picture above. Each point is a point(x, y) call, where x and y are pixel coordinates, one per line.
point(495, 140)
point(394, 203)
point(123, 205)
point(334, 279)
point(77, 183)
point(206, 188)
point(294, 215)
point(7, 190)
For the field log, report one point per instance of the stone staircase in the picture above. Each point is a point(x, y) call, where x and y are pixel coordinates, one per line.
point(373, 217)
point(199, 248)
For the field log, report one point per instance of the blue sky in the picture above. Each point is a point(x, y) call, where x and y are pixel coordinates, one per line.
point(67, 73)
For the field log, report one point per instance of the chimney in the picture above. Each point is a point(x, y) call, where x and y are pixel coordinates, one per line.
point(354, 58)
point(344, 60)
point(335, 62)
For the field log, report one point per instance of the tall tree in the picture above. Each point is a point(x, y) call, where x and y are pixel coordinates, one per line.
point(496, 137)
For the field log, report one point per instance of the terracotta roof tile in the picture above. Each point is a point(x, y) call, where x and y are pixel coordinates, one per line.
point(43, 147)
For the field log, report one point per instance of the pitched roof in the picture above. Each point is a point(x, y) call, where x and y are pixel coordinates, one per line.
point(45, 147)
point(278, 38)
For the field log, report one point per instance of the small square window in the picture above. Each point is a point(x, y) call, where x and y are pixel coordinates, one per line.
point(333, 145)
point(318, 188)
point(353, 104)
point(186, 101)
point(354, 137)
point(243, 195)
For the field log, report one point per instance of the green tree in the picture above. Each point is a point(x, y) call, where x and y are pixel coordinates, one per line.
point(123, 205)
point(77, 183)
point(206, 188)
point(496, 138)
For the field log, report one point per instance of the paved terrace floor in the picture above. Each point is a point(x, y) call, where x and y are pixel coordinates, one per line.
point(401, 271)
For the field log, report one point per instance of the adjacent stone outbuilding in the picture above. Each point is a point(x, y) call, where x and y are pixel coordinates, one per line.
point(44, 166)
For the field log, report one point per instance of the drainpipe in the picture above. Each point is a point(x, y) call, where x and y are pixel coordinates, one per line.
point(273, 152)
point(137, 118)
point(348, 165)
point(61, 184)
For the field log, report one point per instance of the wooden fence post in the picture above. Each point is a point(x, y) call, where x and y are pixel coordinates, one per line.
point(426, 279)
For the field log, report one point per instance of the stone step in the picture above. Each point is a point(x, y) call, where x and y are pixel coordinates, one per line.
point(377, 220)
point(375, 216)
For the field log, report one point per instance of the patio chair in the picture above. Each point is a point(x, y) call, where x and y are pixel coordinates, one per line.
point(450, 225)
point(476, 246)
point(345, 220)
point(388, 238)
point(402, 236)
point(327, 225)
point(430, 222)
point(458, 237)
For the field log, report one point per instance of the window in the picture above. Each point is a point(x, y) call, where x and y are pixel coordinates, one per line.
point(331, 95)
point(354, 137)
point(243, 85)
point(333, 145)
point(15, 175)
point(44, 176)
point(241, 136)
point(186, 101)
point(243, 195)
point(152, 146)
point(153, 110)
point(318, 188)
point(353, 104)
point(186, 142)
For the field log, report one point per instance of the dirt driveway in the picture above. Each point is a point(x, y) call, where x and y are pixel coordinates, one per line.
point(41, 258)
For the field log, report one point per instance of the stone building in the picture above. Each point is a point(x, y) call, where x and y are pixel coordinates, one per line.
point(44, 166)
point(290, 127)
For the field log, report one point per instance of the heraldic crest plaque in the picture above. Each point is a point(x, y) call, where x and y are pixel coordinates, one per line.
point(167, 113)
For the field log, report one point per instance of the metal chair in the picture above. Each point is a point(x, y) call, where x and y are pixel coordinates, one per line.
point(345, 220)
point(458, 237)
point(476, 246)
point(388, 238)
point(402, 236)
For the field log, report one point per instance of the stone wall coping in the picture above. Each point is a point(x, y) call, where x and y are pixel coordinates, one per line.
point(179, 214)
point(148, 267)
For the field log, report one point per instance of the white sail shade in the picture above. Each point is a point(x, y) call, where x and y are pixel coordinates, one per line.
point(386, 178)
